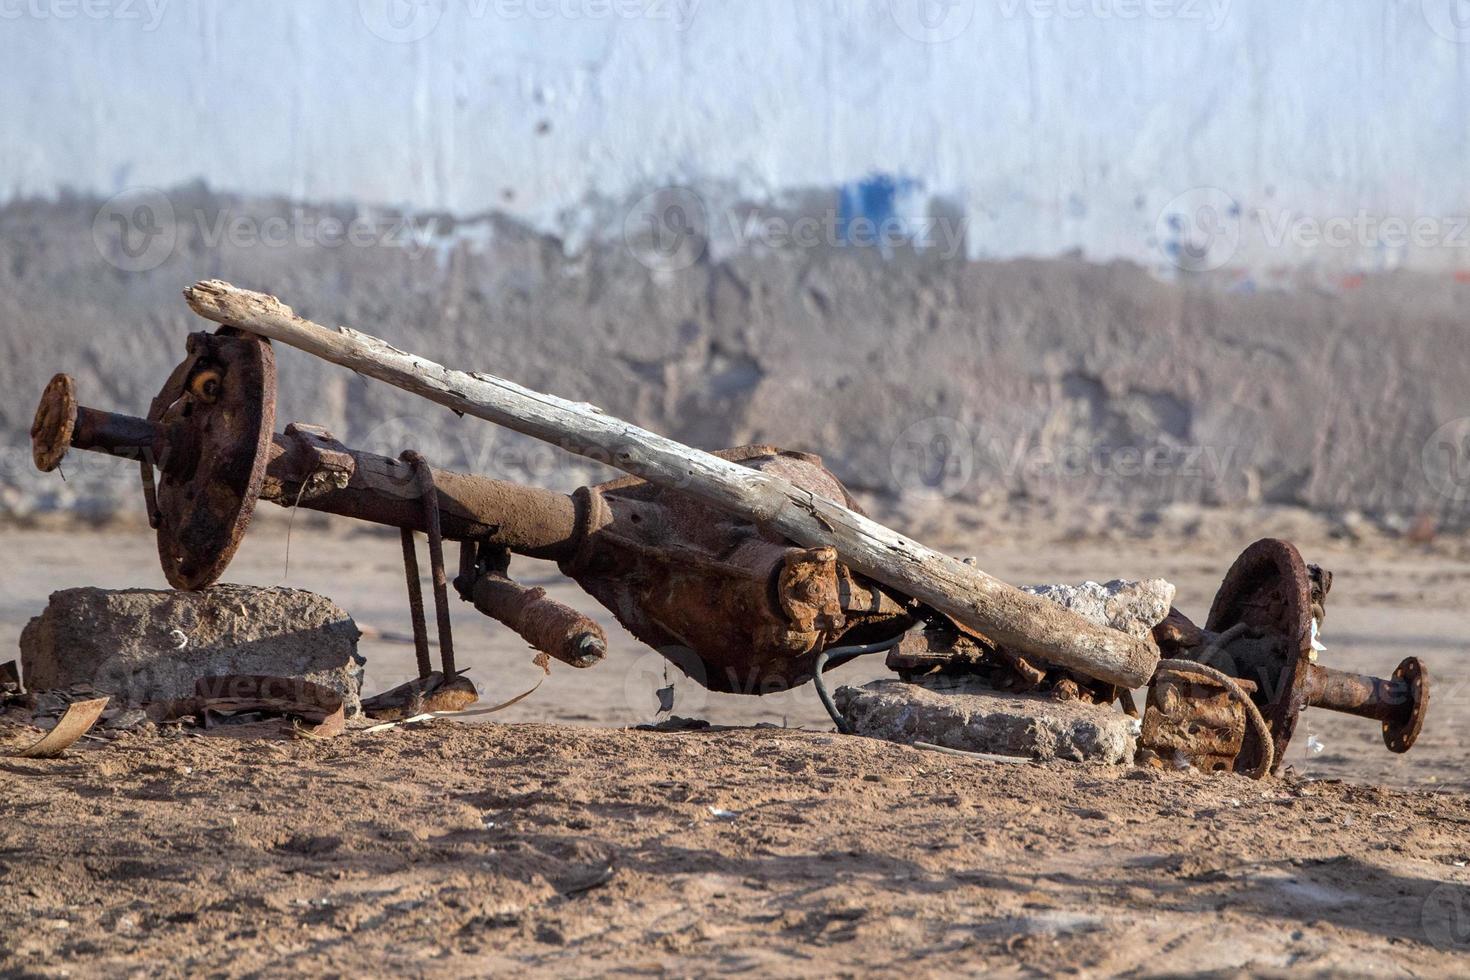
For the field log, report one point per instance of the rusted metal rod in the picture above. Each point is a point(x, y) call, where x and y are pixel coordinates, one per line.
point(547, 625)
point(1399, 702)
point(117, 435)
point(430, 499)
point(1356, 694)
point(1031, 625)
point(416, 603)
point(61, 424)
point(530, 521)
point(308, 468)
point(544, 623)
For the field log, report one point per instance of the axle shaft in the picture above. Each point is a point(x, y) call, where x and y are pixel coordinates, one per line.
point(307, 467)
point(1399, 702)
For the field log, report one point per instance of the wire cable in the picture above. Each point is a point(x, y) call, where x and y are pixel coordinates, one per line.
point(838, 656)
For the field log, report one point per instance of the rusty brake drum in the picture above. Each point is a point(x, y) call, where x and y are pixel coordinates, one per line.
point(218, 409)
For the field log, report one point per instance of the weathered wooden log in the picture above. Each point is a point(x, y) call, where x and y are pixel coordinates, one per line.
point(1028, 624)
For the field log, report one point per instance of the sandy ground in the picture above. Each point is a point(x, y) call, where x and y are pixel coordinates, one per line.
point(559, 844)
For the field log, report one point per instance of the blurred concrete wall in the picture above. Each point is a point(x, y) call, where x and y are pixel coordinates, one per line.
point(1193, 133)
point(888, 231)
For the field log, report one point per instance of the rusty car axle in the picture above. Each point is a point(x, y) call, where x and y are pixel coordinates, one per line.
point(731, 601)
point(736, 606)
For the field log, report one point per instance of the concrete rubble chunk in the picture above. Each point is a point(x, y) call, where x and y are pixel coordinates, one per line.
point(961, 713)
point(142, 645)
point(1134, 608)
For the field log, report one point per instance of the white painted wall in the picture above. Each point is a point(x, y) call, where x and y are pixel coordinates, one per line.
point(1054, 124)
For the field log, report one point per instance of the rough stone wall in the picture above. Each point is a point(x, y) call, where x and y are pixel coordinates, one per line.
point(911, 374)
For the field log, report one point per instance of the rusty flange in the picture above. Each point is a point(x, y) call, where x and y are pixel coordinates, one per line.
point(218, 409)
point(1400, 733)
point(1269, 590)
point(56, 419)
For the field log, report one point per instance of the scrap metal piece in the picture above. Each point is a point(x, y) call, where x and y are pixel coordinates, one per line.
point(430, 497)
point(313, 709)
point(319, 462)
point(416, 603)
point(79, 718)
point(807, 588)
point(423, 695)
point(922, 651)
point(1191, 719)
point(731, 603)
point(309, 467)
point(1260, 633)
point(547, 625)
point(1399, 703)
point(1268, 591)
point(218, 412)
point(56, 419)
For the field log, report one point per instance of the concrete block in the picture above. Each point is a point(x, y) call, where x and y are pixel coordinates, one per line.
point(1132, 607)
point(143, 645)
point(964, 714)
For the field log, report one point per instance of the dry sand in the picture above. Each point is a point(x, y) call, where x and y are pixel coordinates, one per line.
point(558, 844)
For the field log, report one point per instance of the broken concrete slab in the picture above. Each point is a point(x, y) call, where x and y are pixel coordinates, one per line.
point(143, 645)
point(962, 713)
point(1134, 608)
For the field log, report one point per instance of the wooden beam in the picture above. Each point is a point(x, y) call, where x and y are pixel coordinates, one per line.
point(1029, 625)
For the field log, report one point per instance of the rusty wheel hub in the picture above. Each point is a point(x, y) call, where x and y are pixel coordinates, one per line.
point(1268, 591)
point(218, 410)
point(1402, 731)
point(56, 419)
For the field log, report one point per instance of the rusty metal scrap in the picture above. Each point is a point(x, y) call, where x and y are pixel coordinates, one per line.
point(547, 625)
point(734, 604)
point(422, 695)
point(79, 718)
point(736, 607)
point(280, 704)
point(1261, 633)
